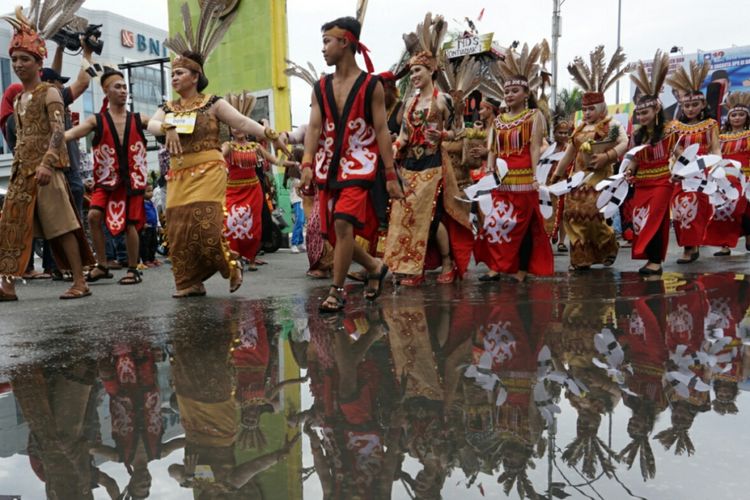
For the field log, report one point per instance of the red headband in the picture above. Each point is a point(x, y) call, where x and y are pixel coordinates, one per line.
point(361, 49)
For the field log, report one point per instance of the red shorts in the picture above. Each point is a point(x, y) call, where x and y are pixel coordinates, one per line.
point(351, 204)
point(120, 210)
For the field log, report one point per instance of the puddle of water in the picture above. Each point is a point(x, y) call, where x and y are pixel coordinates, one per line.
point(593, 386)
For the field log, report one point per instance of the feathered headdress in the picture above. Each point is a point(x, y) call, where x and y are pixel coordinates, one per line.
point(244, 102)
point(588, 448)
point(739, 101)
point(44, 20)
point(459, 80)
point(596, 77)
point(650, 87)
point(689, 81)
point(195, 45)
point(520, 69)
point(640, 426)
point(429, 38)
point(560, 118)
point(310, 76)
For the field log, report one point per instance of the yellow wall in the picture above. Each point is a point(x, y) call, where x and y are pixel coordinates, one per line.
point(251, 55)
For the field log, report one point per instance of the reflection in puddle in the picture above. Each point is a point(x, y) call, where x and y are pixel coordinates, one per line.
point(590, 387)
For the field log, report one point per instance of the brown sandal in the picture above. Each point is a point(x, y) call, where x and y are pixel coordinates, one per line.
point(7, 297)
point(235, 280)
point(74, 293)
point(193, 291)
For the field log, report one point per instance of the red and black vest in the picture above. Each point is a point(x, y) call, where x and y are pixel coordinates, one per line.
point(115, 162)
point(348, 152)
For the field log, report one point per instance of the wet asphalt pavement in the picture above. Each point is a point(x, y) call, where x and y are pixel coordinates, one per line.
point(443, 391)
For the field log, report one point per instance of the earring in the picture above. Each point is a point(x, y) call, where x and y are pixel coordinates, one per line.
point(526, 103)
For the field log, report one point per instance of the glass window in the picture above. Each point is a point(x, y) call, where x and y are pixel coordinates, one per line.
point(261, 110)
point(145, 90)
point(5, 75)
point(88, 103)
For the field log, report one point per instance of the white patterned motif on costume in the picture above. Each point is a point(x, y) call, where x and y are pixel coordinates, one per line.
point(138, 175)
point(685, 209)
point(501, 222)
point(239, 223)
point(640, 218)
point(358, 159)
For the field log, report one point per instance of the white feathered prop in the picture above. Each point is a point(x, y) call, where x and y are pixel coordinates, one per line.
point(543, 168)
point(614, 189)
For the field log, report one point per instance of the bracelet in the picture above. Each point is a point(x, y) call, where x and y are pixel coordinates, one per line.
point(306, 165)
point(270, 134)
point(391, 175)
point(166, 127)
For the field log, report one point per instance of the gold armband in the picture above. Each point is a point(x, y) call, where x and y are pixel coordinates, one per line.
point(270, 134)
point(166, 127)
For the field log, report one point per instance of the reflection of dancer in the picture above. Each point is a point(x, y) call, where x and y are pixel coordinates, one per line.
point(649, 171)
point(255, 360)
point(595, 146)
point(692, 211)
point(204, 385)
point(581, 319)
point(55, 404)
point(735, 145)
point(120, 175)
point(355, 453)
point(513, 239)
point(640, 313)
point(197, 176)
point(38, 199)
point(129, 376)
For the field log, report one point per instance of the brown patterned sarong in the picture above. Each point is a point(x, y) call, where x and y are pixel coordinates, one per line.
point(195, 219)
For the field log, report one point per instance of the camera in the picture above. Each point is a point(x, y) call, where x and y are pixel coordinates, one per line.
point(71, 39)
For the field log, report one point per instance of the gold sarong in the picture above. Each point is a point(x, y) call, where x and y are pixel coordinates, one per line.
point(195, 218)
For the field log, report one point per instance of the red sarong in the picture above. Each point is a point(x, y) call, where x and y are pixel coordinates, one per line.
point(499, 243)
point(650, 215)
point(243, 227)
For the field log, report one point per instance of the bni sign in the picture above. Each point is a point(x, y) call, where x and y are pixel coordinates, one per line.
point(468, 45)
point(131, 40)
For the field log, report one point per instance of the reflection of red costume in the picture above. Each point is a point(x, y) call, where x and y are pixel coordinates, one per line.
point(244, 200)
point(120, 172)
point(134, 401)
point(642, 321)
point(692, 211)
point(250, 358)
point(652, 194)
point(515, 206)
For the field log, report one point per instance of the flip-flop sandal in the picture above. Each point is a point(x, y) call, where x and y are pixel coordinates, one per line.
point(132, 277)
point(37, 275)
point(373, 293)
point(358, 277)
point(74, 293)
point(317, 275)
point(93, 279)
point(8, 297)
point(191, 293)
point(723, 253)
